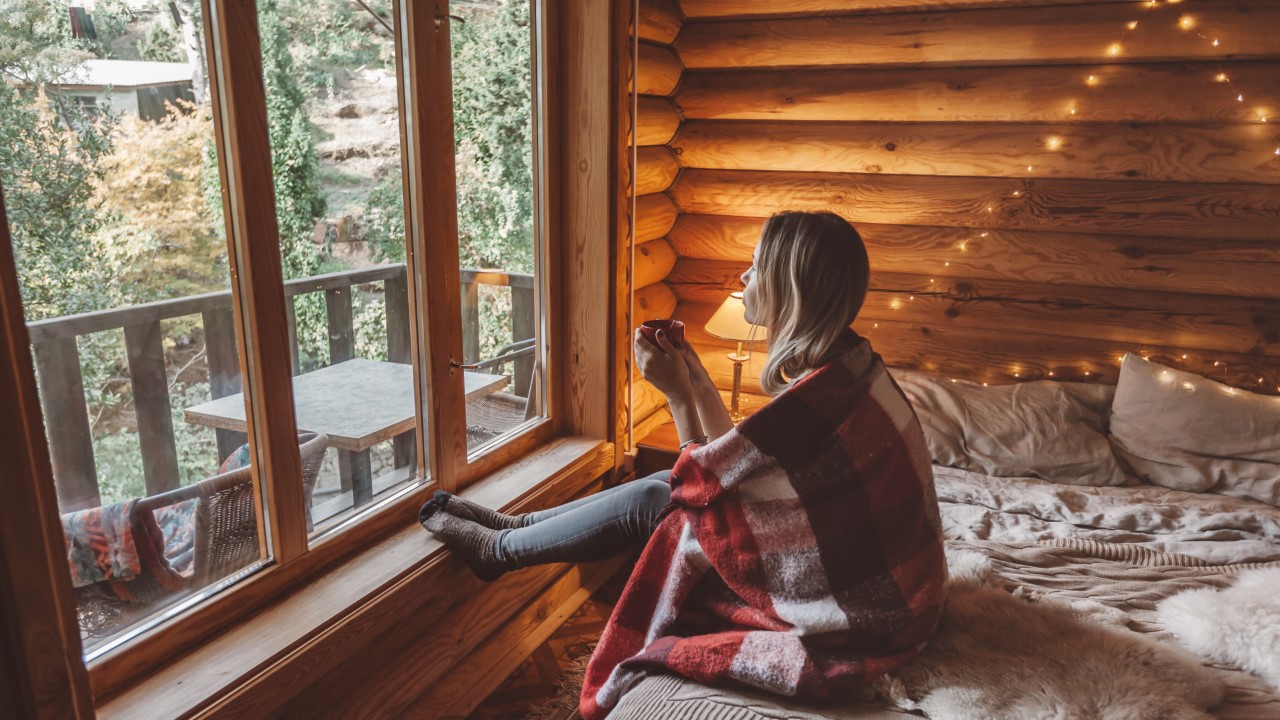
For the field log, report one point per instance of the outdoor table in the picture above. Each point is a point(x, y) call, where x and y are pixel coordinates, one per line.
point(358, 404)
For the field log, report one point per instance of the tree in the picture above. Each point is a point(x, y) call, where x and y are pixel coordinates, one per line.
point(49, 162)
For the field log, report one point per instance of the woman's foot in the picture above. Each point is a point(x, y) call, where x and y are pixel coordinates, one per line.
point(468, 510)
point(476, 544)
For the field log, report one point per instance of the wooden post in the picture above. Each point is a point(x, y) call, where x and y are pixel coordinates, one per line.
point(522, 327)
point(71, 441)
point(470, 321)
point(224, 369)
point(291, 317)
point(396, 294)
point(145, 351)
point(342, 341)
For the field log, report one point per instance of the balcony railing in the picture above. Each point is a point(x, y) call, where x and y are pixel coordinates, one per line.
point(61, 383)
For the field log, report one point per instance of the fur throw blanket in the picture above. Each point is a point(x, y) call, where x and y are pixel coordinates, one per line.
point(999, 655)
point(1239, 626)
point(802, 554)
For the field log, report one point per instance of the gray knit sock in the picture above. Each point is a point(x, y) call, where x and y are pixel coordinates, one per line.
point(476, 544)
point(468, 510)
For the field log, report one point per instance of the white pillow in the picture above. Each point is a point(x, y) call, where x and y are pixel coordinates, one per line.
point(1044, 429)
point(1187, 432)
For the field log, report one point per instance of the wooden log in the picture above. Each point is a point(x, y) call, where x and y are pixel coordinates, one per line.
point(655, 215)
point(1004, 357)
point(655, 302)
point(705, 9)
point(656, 169)
point(659, 21)
point(653, 262)
point(656, 120)
point(1204, 266)
point(144, 348)
point(1160, 151)
point(1240, 325)
point(1009, 357)
point(71, 443)
point(1167, 92)
point(1050, 35)
point(658, 70)
point(645, 399)
point(1227, 211)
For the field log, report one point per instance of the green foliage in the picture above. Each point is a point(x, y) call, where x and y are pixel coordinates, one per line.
point(118, 455)
point(111, 20)
point(49, 169)
point(37, 47)
point(332, 36)
point(161, 224)
point(161, 44)
point(493, 124)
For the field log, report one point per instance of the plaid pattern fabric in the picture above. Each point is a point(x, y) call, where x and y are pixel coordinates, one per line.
point(804, 556)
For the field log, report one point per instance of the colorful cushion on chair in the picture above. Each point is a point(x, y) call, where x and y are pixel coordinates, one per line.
point(100, 544)
point(237, 459)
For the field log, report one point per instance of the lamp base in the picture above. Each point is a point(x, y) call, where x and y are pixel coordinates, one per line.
point(735, 412)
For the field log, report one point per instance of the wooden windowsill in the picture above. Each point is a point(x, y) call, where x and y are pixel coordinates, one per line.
point(305, 627)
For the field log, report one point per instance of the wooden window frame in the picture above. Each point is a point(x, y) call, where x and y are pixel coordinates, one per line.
point(584, 176)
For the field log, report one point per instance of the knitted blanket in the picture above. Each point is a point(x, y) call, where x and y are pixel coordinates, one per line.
point(803, 555)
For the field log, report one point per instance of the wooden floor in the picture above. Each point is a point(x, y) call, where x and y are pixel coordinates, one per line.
point(537, 681)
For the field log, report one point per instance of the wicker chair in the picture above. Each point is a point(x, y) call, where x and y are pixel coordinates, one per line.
point(226, 540)
point(496, 413)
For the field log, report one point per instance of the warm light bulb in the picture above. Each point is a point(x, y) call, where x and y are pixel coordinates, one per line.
point(985, 234)
point(1017, 193)
point(1091, 81)
point(1239, 98)
point(1133, 25)
point(1215, 42)
point(1186, 22)
point(948, 263)
point(1113, 49)
point(1050, 373)
point(1029, 168)
point(1053, 143)
point(1221, 77)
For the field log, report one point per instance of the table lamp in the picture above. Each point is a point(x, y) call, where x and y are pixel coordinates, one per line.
point(730, 323)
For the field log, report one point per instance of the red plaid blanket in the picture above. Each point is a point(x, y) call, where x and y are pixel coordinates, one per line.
point(804, 556)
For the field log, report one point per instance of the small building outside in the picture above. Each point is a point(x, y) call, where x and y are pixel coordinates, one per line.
point(133, 87)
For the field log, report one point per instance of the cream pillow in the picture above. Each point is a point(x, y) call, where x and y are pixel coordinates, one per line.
point(1187, 432)
point(1045, 429)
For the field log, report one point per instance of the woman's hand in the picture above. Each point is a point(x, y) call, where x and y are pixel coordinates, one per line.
point(666, 368)
point(699, 378)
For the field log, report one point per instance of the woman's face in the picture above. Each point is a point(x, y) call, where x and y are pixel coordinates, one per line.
point(750, 290)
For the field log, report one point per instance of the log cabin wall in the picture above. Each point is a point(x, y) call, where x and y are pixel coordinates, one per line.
point(1042, 186)
point(658, 74)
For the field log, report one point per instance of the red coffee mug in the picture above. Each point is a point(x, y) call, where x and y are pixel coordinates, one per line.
point(673, 329)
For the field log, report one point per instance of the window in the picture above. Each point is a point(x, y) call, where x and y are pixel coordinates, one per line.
point(251, 336)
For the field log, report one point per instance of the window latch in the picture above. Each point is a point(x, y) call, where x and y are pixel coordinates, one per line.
point(460, 366)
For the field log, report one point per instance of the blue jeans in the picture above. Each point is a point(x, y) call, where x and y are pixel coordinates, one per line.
point(591, 528)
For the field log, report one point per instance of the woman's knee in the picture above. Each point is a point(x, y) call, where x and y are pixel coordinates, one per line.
point(651, 492)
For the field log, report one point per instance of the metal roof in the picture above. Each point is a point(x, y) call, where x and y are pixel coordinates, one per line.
point(127, 73)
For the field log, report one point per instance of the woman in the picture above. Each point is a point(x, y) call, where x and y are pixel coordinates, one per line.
point(799, 552)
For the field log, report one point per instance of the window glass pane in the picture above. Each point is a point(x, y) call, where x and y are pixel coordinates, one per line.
point(494, 133)
point(333, 115)
point(110, 172)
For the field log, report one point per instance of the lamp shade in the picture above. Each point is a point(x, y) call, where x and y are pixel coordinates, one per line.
point(730, 322)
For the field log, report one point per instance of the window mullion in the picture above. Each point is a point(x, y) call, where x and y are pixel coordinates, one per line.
point(240, 129)
point(433, 222)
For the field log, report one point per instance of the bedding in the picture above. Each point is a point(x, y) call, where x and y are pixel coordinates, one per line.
point(1118, 584)
point(1186, 432)
point(1113, 551)
point(1045, 429)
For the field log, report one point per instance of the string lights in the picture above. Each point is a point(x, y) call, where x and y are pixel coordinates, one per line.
point(1188, 23)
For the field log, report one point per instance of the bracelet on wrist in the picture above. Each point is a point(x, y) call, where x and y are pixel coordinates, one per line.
point(700, 440)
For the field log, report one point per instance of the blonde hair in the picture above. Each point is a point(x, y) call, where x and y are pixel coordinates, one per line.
point(812, 275)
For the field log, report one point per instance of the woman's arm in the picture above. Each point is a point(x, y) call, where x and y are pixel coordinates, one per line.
point(665, 368)
point(712, 414)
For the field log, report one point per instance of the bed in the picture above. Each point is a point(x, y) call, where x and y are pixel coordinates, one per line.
point(1072, 532)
